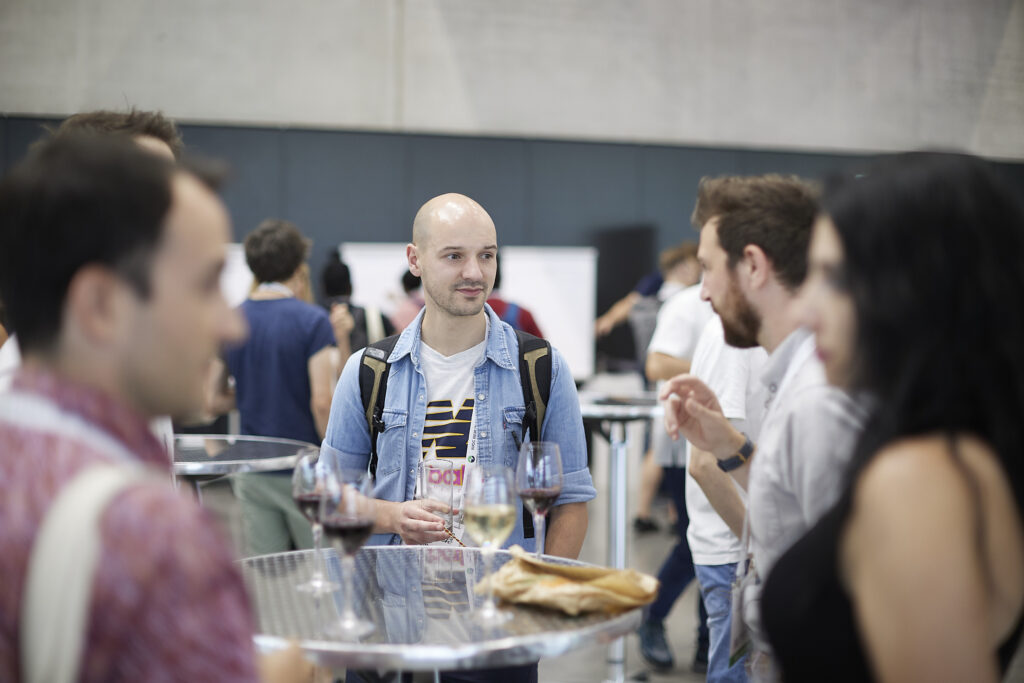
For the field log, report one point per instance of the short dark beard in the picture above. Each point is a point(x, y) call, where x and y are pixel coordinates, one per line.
point(742, 331)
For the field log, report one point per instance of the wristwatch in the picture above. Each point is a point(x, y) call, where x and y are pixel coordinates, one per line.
point(741, 457)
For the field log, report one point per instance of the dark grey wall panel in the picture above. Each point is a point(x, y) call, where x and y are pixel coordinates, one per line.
point(668, 187)
point(254, 186)
point(20, 133)
point(579, 187)
point(493, 172)
point(342, 187)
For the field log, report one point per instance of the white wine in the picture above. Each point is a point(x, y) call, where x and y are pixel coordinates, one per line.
point(490, 523)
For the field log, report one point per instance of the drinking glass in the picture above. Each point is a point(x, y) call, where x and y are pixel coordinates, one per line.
point(348, 512)
point(309, 484)
point(490, 516)
point(539, 480)
point(436, 481)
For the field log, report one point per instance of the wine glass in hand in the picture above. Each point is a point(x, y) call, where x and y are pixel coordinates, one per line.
point(348, 512)
point(308, 486)
point(539, 480)
point(490, 516)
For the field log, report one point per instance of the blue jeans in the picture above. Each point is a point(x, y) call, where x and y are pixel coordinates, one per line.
point(715, 581)
point(677, 570)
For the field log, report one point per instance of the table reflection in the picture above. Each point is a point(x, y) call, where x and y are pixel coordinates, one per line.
point(420, 599)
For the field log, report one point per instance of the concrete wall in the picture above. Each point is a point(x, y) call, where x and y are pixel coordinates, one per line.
point(850, 75)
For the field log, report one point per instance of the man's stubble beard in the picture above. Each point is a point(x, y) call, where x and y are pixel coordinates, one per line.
point(743, 325)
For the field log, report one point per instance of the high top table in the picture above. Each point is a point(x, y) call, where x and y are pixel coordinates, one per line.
point(198, 457)
point(616, 412)
point(421, 601)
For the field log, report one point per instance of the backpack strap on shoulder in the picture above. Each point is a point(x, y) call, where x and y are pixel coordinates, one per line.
point(373, 385)
point(535, 378)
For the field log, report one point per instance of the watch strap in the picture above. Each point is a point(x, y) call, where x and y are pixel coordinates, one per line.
point(741, 457)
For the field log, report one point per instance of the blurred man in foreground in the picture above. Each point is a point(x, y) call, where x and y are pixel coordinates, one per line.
point(120, 325)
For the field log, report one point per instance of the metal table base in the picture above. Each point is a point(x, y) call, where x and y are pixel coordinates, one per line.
point(617, 412)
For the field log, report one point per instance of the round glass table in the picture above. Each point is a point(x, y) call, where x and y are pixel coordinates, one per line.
point(421, 601)
point(199, 457)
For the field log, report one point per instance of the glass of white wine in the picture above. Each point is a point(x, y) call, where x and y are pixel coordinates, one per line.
point(490, 516)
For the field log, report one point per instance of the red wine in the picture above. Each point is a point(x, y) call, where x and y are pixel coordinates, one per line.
point(540, 500)
point(348, 532)
point(309, 506)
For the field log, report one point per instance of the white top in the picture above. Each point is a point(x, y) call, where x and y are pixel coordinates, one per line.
point(10, 361)
point(806, 440)
point(733, 374)
point(680, 322)
point(448, 430)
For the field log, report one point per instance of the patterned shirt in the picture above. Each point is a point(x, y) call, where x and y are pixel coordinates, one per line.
point(167, 602)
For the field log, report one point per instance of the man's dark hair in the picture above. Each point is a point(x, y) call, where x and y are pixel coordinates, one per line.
point(72, 202)
point(131, 123)
point(932, 244)
point(410, 282)
point(275, 250)
point(673, 256)
point(336, 278)
point(773, 212)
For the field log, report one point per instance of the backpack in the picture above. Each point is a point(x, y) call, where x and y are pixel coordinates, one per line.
point(534, 377)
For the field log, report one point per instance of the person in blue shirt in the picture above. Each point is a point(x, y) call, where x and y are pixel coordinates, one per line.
point(283, 376)
point(454, 391)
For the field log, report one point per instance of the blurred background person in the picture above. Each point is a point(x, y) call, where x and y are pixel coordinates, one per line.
point(368, 323)
point(281, 379)
point(516, 315)
point(677, 270)
point(409, 306)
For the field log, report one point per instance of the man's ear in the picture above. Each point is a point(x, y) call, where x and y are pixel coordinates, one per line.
point(413, 256)
point(97, 304)
point(756, 265)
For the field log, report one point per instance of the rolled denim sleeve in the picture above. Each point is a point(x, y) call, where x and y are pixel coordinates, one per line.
point(563, 424)
point(347, 441)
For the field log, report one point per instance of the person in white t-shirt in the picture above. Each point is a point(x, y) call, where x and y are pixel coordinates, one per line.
point(680, 321)
point(672, 346)
point(715, 503)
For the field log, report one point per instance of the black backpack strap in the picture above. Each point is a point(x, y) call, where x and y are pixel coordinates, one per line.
point(535, 378)
point(373, 385)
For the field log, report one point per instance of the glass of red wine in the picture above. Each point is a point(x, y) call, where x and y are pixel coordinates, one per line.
point(348, 512)
point(309, 484)
point(539, 481)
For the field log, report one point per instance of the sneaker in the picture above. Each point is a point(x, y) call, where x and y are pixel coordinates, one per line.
point(700, 658)
point(653, 645)
point(644, 525)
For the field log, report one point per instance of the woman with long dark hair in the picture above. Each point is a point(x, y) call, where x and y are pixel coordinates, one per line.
point(915, 293)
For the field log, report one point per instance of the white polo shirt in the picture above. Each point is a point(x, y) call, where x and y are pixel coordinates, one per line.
point(734, 375)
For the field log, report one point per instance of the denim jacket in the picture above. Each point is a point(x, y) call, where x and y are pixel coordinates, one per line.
point(499, 416)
